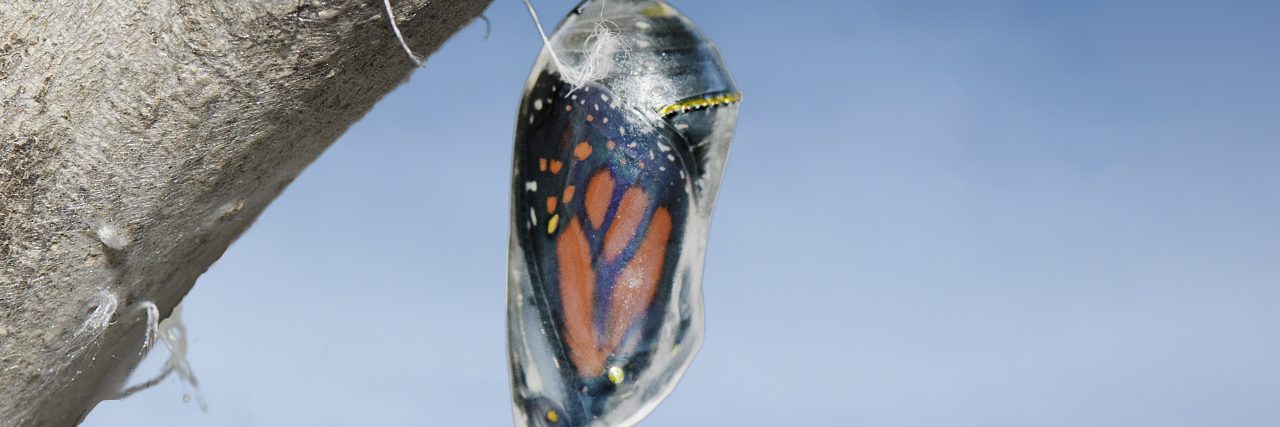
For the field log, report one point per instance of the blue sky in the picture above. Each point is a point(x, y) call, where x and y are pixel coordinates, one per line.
point(995, 213)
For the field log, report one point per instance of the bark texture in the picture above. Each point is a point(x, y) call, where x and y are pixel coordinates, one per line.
point(139, 138)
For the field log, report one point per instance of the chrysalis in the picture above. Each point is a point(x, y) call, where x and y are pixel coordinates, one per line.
point(615, 180)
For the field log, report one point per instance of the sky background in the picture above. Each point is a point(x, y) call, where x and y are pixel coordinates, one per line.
point(995, 213)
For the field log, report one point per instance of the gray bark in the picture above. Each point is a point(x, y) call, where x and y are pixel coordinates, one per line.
point(139, 138)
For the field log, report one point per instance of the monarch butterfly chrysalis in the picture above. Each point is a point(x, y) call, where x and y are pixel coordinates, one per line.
point(615, 180)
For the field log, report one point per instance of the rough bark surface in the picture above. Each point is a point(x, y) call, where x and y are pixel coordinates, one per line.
point(139, 138)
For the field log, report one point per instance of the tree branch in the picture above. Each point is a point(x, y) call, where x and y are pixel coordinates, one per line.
point(139, 138)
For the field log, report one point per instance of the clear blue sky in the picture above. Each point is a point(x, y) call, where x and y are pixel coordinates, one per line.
point(999, 213)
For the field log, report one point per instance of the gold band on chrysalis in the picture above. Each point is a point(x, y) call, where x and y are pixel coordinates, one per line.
point(700, 102)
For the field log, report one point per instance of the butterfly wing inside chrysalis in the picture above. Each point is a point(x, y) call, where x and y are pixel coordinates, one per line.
point(612, 197)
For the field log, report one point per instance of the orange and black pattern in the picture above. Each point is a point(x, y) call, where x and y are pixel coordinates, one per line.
point(601, 200)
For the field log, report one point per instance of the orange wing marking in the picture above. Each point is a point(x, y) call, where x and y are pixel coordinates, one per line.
point(582, 151)
point(638, 282)
point(599, 193)
point(568, 194)
point(577, 288)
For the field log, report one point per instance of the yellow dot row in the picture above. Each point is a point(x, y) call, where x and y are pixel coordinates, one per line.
point(696, 103)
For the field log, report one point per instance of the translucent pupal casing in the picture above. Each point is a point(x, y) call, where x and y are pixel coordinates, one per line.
point(614, 186)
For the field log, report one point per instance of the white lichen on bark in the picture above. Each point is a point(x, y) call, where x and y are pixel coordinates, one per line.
point(139, 138)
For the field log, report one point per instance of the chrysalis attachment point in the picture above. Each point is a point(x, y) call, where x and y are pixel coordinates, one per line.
point(391, 17)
